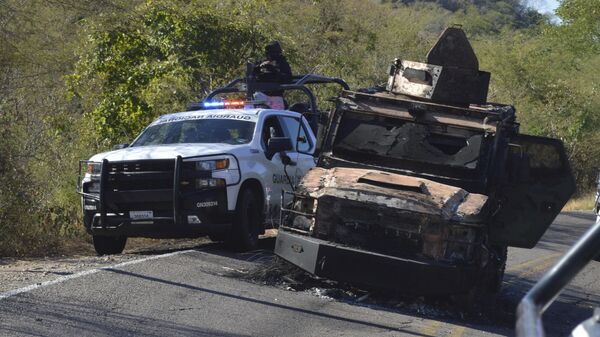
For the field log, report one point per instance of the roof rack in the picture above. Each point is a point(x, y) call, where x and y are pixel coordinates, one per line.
point(249, 86)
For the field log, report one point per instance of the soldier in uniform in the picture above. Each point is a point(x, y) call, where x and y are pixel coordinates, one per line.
point(274, 69)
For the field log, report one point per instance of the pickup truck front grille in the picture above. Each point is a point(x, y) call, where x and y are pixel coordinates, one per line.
point(139, 185)
point(146, 175)
point(158, 165)
point(140, 175)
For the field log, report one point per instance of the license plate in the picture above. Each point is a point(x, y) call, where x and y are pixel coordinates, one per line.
point(141, 214)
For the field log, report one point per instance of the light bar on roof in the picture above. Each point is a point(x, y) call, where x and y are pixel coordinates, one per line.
point(227, 104)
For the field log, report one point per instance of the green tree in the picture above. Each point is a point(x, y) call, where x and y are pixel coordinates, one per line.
point(580, 28)
point(164, 56)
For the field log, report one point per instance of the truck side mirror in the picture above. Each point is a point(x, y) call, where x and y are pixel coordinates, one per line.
point(120, 146)
point(278, 144)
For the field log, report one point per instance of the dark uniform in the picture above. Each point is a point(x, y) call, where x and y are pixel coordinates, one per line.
point(274, 69)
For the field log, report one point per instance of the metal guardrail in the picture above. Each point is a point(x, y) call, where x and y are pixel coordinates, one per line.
point(544, 292)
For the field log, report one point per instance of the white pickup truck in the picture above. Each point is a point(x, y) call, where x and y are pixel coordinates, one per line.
point(216, 172)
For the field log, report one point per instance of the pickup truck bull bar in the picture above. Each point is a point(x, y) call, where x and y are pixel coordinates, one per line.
point(104, 208)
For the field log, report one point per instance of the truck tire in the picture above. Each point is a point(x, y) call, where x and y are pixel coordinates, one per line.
point(246, 223)
point(107, 245)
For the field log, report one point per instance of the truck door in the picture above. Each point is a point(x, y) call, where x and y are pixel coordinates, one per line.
point(275, 179)
point(304, 147)
point(537, 183)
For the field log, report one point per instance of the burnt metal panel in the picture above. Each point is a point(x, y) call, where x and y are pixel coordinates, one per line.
point(362, 267)
point(453, 49)
point(450, 75)
point(445, 84)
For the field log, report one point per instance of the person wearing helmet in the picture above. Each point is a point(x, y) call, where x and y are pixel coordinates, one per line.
point(275, 68)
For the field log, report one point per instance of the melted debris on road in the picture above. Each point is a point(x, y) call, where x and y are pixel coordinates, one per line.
point(279, 273)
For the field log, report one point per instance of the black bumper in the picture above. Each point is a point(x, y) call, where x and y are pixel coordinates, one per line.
point(164, 187)
point(340, 263)
point(155, 228)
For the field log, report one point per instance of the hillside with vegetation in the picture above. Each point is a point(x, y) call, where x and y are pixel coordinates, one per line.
point(77, 76)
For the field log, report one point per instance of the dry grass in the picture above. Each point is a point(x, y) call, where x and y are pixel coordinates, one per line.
point(582, 202)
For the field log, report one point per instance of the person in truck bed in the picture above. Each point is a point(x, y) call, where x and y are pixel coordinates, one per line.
point(274, 69)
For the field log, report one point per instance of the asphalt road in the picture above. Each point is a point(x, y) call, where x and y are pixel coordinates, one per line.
point(199, 292)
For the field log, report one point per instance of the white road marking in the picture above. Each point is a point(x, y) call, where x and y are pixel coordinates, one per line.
point(61, 279)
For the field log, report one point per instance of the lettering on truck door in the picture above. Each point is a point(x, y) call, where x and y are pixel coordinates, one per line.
point(275, 181)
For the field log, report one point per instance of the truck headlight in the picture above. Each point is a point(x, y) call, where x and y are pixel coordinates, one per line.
point(212, 165)
point(94, 168)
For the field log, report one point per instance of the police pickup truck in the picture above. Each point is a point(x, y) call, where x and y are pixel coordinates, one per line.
point(218, 171)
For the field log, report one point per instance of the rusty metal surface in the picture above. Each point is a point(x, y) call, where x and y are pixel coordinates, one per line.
point(450, 75)
point(424, 87)
point(401, 192)
point(384, 104)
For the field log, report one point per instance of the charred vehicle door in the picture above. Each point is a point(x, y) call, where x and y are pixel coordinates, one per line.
point(537, 184)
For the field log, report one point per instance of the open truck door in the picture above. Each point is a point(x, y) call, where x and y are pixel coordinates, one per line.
point(537, 183)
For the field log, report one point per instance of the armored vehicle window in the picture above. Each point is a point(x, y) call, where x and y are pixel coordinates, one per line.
point(376, 139)
point(198, 131)
point(543, 155)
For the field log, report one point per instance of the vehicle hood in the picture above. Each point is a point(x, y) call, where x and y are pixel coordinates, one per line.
point(405, 193)
point(170, 151)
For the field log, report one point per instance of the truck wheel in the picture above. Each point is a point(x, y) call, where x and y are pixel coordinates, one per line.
point(107, 245)
point(246, 226)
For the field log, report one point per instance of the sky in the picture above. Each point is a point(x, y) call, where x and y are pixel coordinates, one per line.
point(543, 6)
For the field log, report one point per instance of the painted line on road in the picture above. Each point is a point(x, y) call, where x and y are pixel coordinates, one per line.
point(537, 262)
point(431, 328)
point(62, 279)
point(458, 331)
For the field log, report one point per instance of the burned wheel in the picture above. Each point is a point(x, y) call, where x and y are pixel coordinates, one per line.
point(107, 245)
point(247, 222)
point(481, 299)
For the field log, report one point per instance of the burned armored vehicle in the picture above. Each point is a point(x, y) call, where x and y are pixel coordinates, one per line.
point(421, 186)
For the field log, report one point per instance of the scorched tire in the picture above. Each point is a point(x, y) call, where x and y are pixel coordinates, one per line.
point(108, 245)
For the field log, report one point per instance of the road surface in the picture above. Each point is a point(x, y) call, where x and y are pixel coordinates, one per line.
point(203, 291)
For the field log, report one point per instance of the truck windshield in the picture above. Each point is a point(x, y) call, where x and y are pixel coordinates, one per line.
point(397, 143)
point(198, 131)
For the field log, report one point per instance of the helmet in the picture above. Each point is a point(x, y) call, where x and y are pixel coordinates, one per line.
point(273, 49)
